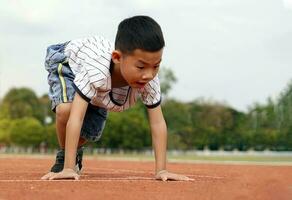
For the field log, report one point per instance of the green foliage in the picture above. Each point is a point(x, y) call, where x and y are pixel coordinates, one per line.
point(27, 132)
point(283, 110)
point(213, 123)
point(174, 141)
point(176, 114)
point(5, 126)
point(45, 103)
point(127, 130)
point(19, 103)
point(51, 136)
point(202, 124)
point(167, 79)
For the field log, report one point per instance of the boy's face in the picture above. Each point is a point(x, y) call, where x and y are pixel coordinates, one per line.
point(140, 67)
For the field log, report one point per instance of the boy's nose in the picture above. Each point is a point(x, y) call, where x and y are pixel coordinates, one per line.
point(149, 75)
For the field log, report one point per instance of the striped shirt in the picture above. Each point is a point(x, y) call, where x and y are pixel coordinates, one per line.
point(90, 61)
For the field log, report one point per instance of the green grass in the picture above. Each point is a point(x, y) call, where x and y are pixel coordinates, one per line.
point(236, 158)
point(196, 158)
point(184, 158)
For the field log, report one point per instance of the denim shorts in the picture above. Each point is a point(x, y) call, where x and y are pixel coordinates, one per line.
point(60, 79)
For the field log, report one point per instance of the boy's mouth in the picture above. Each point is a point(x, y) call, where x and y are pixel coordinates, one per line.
point(140, 84)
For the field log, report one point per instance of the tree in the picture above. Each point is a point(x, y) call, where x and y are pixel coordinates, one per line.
point(19, 103)
point(27, 132)
point(48, 115)
point(5, 126)
point(51, 136)
point(211, 123)
point(127, 130)
point(167, 78)
point(176, 114)
point(177, 117)
point(284, 108)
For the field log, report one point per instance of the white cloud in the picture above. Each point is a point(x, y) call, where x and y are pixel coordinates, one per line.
point(29, 11)
point(148, 4)
point(288, 4)
point(210, 45)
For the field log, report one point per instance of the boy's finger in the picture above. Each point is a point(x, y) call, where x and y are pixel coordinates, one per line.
point(47, 176)
point(53, 177)
point(179, 177)
point(188, 178)
point(185, 178)
point(76, 177)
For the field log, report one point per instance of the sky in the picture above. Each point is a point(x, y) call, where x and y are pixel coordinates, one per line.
point(234, 51)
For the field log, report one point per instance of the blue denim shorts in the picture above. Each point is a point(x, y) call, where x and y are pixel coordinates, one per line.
point(60, 79)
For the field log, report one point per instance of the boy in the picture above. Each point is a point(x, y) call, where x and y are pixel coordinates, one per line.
point(89, 76)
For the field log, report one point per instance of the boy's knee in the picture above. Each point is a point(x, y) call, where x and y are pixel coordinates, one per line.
point(63, 112)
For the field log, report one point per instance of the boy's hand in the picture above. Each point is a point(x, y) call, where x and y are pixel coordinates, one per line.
point(65, 174)
point(165, 175)
point(47, 176)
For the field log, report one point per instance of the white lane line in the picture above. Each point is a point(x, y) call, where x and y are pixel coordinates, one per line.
point(71, 180)
point(103, 180)
point(199, 176)
point(115, 171)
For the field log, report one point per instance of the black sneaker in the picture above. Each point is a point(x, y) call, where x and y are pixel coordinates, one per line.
point(79, 157)
point(59, 164)
point(60, 158)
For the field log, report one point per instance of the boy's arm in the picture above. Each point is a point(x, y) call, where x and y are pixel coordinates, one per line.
point(73, 128)
point(74, 124)
point(159, 137)
point(159, 141)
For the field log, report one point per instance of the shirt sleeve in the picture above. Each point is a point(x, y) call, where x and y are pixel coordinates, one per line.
point(90, 64)
point(151, 95)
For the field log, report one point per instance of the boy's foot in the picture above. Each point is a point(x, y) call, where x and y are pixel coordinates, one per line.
point(60, 158)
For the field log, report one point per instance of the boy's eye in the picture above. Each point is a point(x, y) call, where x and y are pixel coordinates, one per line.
point(140, 67)
point(156, 67)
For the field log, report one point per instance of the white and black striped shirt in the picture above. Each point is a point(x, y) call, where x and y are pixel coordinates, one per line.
point(89, 59)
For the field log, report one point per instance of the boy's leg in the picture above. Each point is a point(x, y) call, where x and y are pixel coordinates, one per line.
point(62, 116)
point(92, 128)
point(61, 93)
point(93, 124)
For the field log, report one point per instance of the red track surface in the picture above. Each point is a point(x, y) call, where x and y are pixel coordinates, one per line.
point(124, 180)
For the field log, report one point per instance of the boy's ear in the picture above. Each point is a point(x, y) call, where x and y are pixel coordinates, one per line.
point(116, 56)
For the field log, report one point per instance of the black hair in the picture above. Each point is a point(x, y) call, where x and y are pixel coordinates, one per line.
point(139, 32)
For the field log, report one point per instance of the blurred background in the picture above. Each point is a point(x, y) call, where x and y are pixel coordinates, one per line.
point(226, 72)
